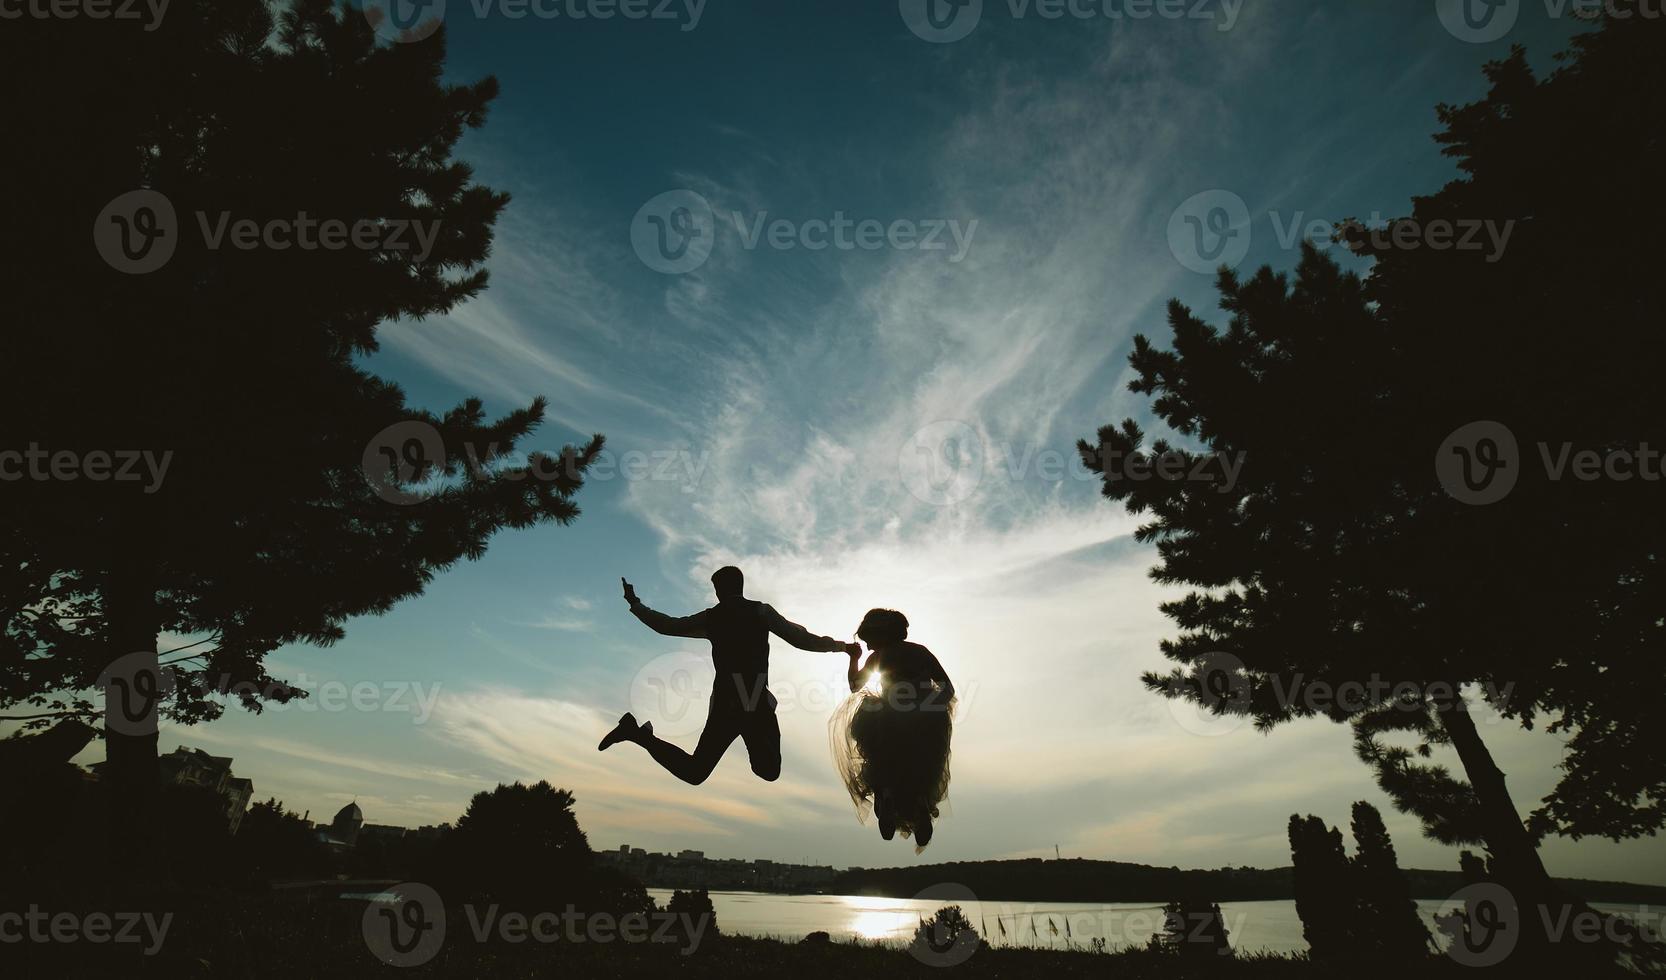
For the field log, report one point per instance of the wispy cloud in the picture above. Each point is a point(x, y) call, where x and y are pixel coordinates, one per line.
point(887, 428)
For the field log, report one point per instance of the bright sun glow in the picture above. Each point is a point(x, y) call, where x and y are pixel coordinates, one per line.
point(875, 684)
point(878, 918)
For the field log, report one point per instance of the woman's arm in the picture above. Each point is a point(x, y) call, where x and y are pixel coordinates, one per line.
point(935, 670)
point(859, 678)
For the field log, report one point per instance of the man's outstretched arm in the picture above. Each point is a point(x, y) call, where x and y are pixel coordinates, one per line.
point(693, 626)
point(802, 638)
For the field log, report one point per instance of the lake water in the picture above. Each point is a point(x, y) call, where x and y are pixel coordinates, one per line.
point(1268, 926)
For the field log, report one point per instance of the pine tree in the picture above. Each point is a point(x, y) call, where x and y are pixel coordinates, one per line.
point(247, 365)
point(1390, 926)
point(1325, 899)
point(1337, 557)
point(1353, 906)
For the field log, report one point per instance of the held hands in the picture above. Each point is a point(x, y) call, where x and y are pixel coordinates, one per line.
point(630, 593)
point(854, 649)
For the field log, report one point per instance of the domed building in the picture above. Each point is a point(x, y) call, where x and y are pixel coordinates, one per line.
point(344, 829)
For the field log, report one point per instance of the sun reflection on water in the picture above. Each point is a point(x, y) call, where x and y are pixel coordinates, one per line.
point(877, 918)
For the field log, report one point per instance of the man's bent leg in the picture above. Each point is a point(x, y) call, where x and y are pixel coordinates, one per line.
point(719, 733)
point(763, 743)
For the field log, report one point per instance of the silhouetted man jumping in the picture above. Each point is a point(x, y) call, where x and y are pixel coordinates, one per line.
point(741, 705)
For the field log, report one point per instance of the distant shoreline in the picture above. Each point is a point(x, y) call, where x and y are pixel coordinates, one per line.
point(1084, 880)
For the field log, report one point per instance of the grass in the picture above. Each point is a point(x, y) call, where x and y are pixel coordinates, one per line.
point(227, 934)
point(232, 935)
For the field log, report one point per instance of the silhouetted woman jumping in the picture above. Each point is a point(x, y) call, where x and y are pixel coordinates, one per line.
point(891, 738)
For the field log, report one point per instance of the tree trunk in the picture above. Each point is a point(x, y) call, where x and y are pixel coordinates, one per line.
point(1516, 863)
point(1507, 836)
point(131, 771)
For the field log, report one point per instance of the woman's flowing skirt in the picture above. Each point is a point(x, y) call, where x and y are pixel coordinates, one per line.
point(896, 747)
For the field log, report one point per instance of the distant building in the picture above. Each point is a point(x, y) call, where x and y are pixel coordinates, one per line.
point(693, 869)
point(344, 829)
point(348, 828)
point(238, 794)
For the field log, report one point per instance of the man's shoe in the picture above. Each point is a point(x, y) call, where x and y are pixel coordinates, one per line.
point(922, 832)
point(625, 731)
point(887, 822)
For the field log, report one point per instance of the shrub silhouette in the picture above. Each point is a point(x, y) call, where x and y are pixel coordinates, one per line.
point(1389, 923)
point(273, 842)
point(1324, 897)
point(947, 929)
point(520, 847)
point(1190, 928)
point(1353, 906)
point(945, 926)
point(696, 905)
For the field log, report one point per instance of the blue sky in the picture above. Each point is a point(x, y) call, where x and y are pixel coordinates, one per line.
point(777, 396)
